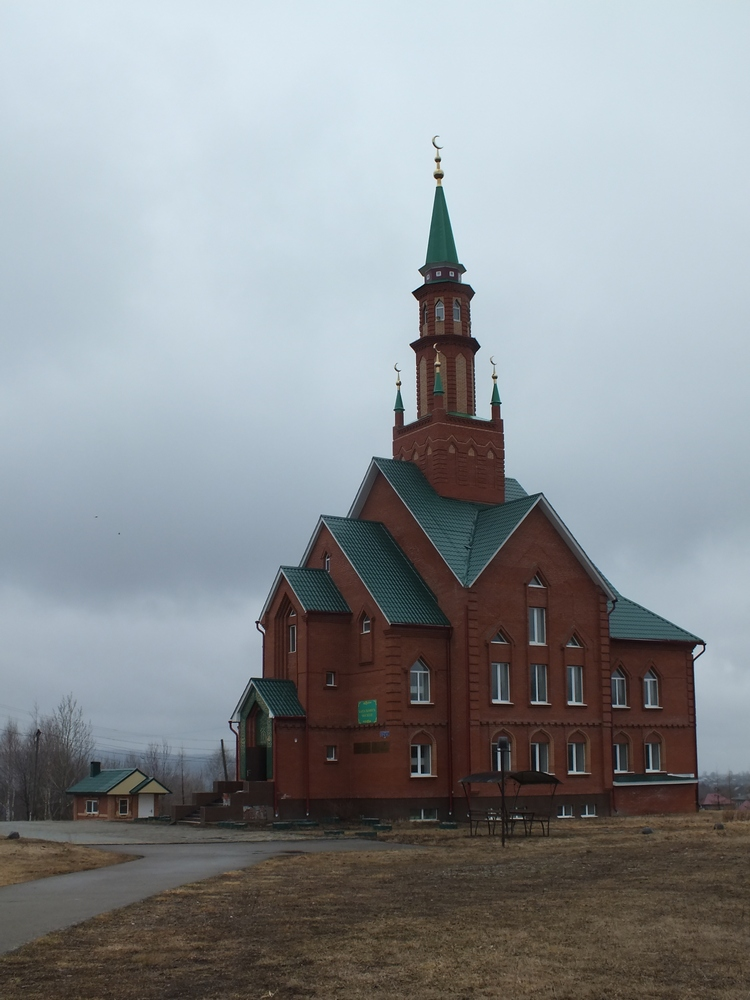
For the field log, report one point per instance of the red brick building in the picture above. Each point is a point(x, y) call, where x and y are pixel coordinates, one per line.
point(451, 617)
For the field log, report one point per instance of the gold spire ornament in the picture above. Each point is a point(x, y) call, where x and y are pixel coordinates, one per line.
point(494, 369)
point(438, 172)
point(398, 376)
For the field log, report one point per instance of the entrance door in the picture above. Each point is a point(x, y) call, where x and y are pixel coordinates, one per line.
point(256, 764)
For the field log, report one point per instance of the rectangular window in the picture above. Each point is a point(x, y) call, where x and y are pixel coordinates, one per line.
point(92, 806)
point(565, 812)
point(538, 683)
point(651, 690)
point(330, 678)
point(619, 690)
point(292, 638)
point(332, 754)
point(653, 756)
point(540, 757)
point(588, 810)
point(576, 758)
point(421, 759)
point(538, 626)
point(575, 685)
point(122, 807)
point(501, 683)
point(419, 684)
point(424, 815)
point(620, 757)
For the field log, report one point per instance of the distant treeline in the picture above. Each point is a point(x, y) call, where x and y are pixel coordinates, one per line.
point(53, 752)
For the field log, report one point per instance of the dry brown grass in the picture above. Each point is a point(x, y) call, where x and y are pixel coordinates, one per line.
point(597, 911)
point(25, 860)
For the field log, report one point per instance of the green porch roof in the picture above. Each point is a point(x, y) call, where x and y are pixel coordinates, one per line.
point(101, 783)
point(395, 585)
point(315, 589)
point(279, 697)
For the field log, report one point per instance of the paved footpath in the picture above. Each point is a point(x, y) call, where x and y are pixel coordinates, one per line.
point(32, 909)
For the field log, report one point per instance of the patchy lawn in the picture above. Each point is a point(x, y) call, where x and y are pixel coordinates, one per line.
point(24, 860)
point(598, 910)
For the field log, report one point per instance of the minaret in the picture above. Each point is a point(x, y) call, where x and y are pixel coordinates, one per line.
point(462, 455)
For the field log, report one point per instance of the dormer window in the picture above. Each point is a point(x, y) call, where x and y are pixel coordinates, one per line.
point(456, 310)
point(439, 310)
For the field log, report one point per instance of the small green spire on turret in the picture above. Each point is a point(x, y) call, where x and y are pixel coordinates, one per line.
point(438, 389)
point(495, 401)
point(399, 404)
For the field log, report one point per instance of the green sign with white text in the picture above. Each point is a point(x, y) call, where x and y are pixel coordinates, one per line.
point(367, 711)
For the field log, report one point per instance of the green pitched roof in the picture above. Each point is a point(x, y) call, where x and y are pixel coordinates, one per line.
point(314, 589)
point(279, 697)
point(101, 783)
point(395, 585)
point(441, 248)
point(467, 535)
point(632, 621)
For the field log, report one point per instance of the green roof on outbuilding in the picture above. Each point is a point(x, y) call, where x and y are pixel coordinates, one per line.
point(315, 589)
point(101, 783)
point(390, 577)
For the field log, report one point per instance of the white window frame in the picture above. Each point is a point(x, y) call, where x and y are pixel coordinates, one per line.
point(120, 803)
point(292, 633)
point(537, 626)
point(575, 684)
point(427, 814)
point(327, 562)
point(536, 581)
point(502, 746)
point(652, 756)
point(419, 683)
point(366, 625)
point(439, 309)
point(574, 642)
point(330, 678)
point(651, 690)
point(499, 638)
point(588, 810)
point(500, 680)
point(456, 311)
point(92, 807)
point(421, 760)
point(538, 693)
point(577, 757)
point(332, 754)
point(619, 688)
point(621, 749)
point(565, 812)
point(540, 756)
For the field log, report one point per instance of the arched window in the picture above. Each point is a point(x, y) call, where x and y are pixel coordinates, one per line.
point(577, 753)
point(439, 311)
point(456, 311)
point(419, 683)
point(540, 752)
point(619, 689)
point(651, 690)
point(422, 757)
point(652, 753)
point(424, 314)
point(366, 624)
point(327, 562)
point(292, 633)
point(502, 753)
point(621, 754)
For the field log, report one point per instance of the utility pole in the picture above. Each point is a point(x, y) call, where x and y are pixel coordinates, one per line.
point(224, 761)
point(32, 810)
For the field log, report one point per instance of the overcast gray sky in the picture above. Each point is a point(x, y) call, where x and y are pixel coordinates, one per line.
point(212, 215)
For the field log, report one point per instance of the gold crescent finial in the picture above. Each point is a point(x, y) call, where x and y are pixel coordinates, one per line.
point(494, 369)
point(398, 376)
point(438, 171)
point(437, 355)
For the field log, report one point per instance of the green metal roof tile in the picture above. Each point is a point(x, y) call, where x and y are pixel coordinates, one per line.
point(494, 527)
point(101, 783)
point(315, 589)
point(632, 621)
point(279, 697)
point(513, 490)
point(395, 585)
point(441, 247)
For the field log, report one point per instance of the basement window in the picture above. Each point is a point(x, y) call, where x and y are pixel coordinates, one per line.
point(588, 810)
point(565, 812)
point(424, 815)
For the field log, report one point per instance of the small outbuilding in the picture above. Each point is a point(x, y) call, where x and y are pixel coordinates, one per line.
point(714, 800)
point(116, 793)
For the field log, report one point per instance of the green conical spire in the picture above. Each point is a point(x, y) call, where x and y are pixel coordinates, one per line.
point(441, 247)
point(399, 404)
point(495, 395)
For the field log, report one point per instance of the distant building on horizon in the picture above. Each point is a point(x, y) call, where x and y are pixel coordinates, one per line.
point(450, 618)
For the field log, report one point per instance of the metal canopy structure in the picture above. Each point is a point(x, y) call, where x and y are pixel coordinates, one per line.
point(507, 816)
